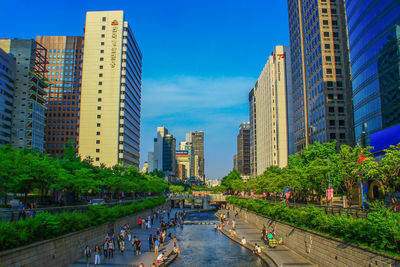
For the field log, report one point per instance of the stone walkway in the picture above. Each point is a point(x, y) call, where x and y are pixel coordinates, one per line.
point(281, 255)
point(129, 258)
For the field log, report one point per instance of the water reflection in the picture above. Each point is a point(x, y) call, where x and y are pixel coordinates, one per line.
point(202, 246)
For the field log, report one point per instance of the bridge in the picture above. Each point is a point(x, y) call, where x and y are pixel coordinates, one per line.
point(178, 200)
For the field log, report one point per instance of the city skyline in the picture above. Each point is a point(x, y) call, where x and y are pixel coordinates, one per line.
point(184, 51)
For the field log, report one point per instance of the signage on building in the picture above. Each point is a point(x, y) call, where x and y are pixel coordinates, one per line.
point(182, 153)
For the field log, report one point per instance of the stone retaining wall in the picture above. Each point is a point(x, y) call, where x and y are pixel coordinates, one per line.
point(318, 248)
point(66, 249)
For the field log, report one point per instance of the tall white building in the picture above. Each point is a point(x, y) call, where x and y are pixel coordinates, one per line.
point(111, 91)
point(273, 130)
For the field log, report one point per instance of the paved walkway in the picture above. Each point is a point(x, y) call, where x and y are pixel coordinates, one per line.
point(129, 258)
point(281, 255)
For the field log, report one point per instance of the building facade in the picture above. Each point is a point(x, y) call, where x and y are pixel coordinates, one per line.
point(163, 157)
point(253, 132)
point(28, 119)
point(64, 75)
point(273, 136)
point(243, 149)
point(183, 163)
point(7, 80)
point(111, 97)
point(322, 95)
point(374, 38)
point(197, 159)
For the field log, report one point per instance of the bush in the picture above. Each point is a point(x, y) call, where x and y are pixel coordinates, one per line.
point(380, 231)
point(45, 226)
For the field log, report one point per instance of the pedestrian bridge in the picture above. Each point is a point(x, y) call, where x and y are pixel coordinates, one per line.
point(204, 199)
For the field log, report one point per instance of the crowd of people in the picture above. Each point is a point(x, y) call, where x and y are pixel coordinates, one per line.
point(125, 237)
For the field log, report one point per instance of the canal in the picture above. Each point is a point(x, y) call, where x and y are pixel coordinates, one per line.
point(202, 246)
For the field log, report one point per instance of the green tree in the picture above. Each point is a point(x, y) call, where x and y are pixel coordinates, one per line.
point(176, 188)
point(227, 180)
point(387, 171)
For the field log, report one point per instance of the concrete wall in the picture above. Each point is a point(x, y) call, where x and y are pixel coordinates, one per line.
point(321, 249)
point(66, 249)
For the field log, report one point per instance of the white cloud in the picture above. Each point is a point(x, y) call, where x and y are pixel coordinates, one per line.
point(216, 106)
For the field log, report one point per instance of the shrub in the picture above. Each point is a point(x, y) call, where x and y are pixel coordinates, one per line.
point(380, 231)
point(44, 225)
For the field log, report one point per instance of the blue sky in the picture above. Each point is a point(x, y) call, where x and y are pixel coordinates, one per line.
point(200, 59)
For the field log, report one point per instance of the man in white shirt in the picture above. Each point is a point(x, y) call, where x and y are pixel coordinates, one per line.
point(243, 241)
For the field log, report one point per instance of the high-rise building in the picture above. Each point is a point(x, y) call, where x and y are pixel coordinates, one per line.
point(272, 133)
point(374, 38)
point(109, 130)
point(187, 146)
point(235, 163)
point(253, 132)
point(322, 96)
point(197, 164)
point(243, 149)
point(183, 163)
point(64, 74)
point(7, 79)
point(28, 119)
point(163, 157)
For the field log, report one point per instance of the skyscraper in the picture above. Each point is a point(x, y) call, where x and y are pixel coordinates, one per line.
point(111, 91)
point(197, 165)
point(7, 79)
point(374, 37)
point(253, 132)
point(272, 132)
point(243, 149)
point(64, 74)
point(28, 119)
point(163, 157)
point(322, 97)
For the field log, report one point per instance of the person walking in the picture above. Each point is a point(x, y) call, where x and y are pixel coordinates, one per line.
point(138, 245)
point(105, 248)
point(110, 249)
point(156, 245)
point(122, 246)
point(88, 254)
point(151, 242)
point(97, 255)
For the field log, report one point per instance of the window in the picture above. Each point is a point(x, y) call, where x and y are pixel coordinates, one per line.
point(334, 22)
point(98, 107)
point(97, 141)
point(99, 91)
point(97, 159)
point(99, 116)
point(332, 136)
point(326, 34)
point(325, 22)
point(101, 67)
point(330, 96)
point(103, 27)
point(102, 51)
point(331, 122)
point(338, 71)
point(331, 109)
point(97, 150)
point(101, 59)
point(328, 71)
point(328, 58)
point(329, 84)
point(103, 36)
point(97, 133)
point(103, 19)
point(98, 99)
point(341, 109)
point(102, 43)
point(333, 11)
point(100, 74)
point(342, 136)
point(337, 46)
point(341, 122)
point(337, 59)
point(98, 125)
point(335, 35)
point(327, 46)
point(100, 83)
point(324, 11)
point(340, 96)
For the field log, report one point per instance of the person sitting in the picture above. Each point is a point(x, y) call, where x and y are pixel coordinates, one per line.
point(257, 249)
point(161, 258)
point(176, 250)
point(243, 242)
